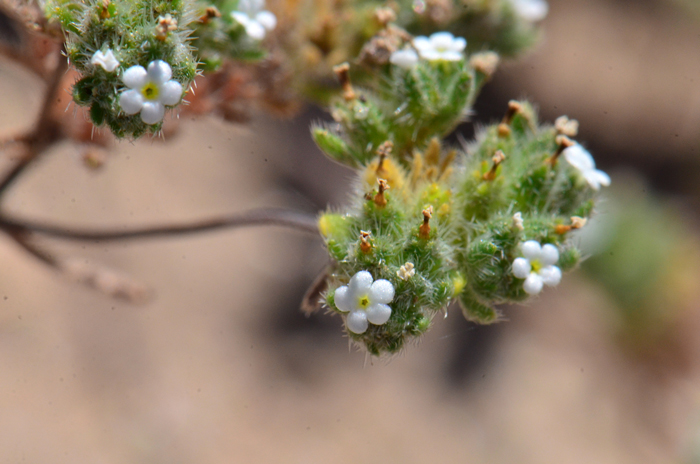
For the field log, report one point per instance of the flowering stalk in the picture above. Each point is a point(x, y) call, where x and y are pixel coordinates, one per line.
point(484, 226)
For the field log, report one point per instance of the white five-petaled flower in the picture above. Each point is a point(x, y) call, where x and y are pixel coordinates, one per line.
point(107, 60)
point(254, 18)
point(581, 159)
point(366, 301)
point(406, 58)
point(440, 46)
point(531, 10)
point(149, 91)
point(537, 266)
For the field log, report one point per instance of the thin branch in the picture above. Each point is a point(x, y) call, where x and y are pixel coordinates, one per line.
point(259, 217)
point(97, 277)
point(46, 131)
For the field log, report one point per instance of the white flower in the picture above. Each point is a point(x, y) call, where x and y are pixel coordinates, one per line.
point(537, 266)
point(366, 301)
point(406, 58)
point(406, 271)
point(149, 91)
point(107, 60)
point(531, 10)
point(254, 18)
point(440, 46)
point(578, 157)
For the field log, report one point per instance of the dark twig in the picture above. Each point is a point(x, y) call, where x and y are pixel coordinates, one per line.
point(97, 277)
point(46, 131)
point(259, 217)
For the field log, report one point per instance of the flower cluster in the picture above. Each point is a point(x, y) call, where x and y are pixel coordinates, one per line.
point(257, 21)
point(440, 46)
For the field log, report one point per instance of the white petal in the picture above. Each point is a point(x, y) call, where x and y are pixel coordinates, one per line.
point(450, 55)
point(596, 178)
point(255, 30)
point(458, 44)
point(531, 10)
point(378, 313)
point(521, 268)
point(579, 157)
point(531, 250)
point(245, 6)
point(550, 275)
point(405, 59)
point(342, 299)
point(442, 40)
point(381, 291)
point(356, 322)
point(267, 20)
point(422, 43)
point(533, 284)
point(549, 255)
point(242, 18)
point(135, 77)
point(170, 93)
point(159, 72)
point(360, 282)
point(106, 60)
point(131, 101)
point(152, 112)
point(430, 54)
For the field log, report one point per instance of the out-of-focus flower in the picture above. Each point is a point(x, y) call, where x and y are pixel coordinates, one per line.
point(531, 10)
point(440, 46)
point(581, 159)
point(537, 266)
point(149, 91)
point(365, 300)
point(254, 18)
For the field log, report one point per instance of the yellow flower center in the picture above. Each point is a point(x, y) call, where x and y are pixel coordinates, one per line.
point(363, 302)
point(536, 265)
point(150, 91)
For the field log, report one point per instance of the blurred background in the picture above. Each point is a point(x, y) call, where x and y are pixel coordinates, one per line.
point(221, 366)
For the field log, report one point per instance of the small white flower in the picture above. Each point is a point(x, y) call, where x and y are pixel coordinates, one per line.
point(406, 58)
point(107, 60)
point(537, 266)
point(365, 301)
point(256, 21)
point(149, 91)
point(440, 46)
point(581, 159)
point(406, 271)
point(531, 10)
point(518, 221)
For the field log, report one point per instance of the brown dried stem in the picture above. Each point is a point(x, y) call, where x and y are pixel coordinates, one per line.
point(258, 217)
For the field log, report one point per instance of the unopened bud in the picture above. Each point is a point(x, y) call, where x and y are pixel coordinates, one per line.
point(365, 244)
point(379, 198)
point(343, 72)
point(424, 229)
